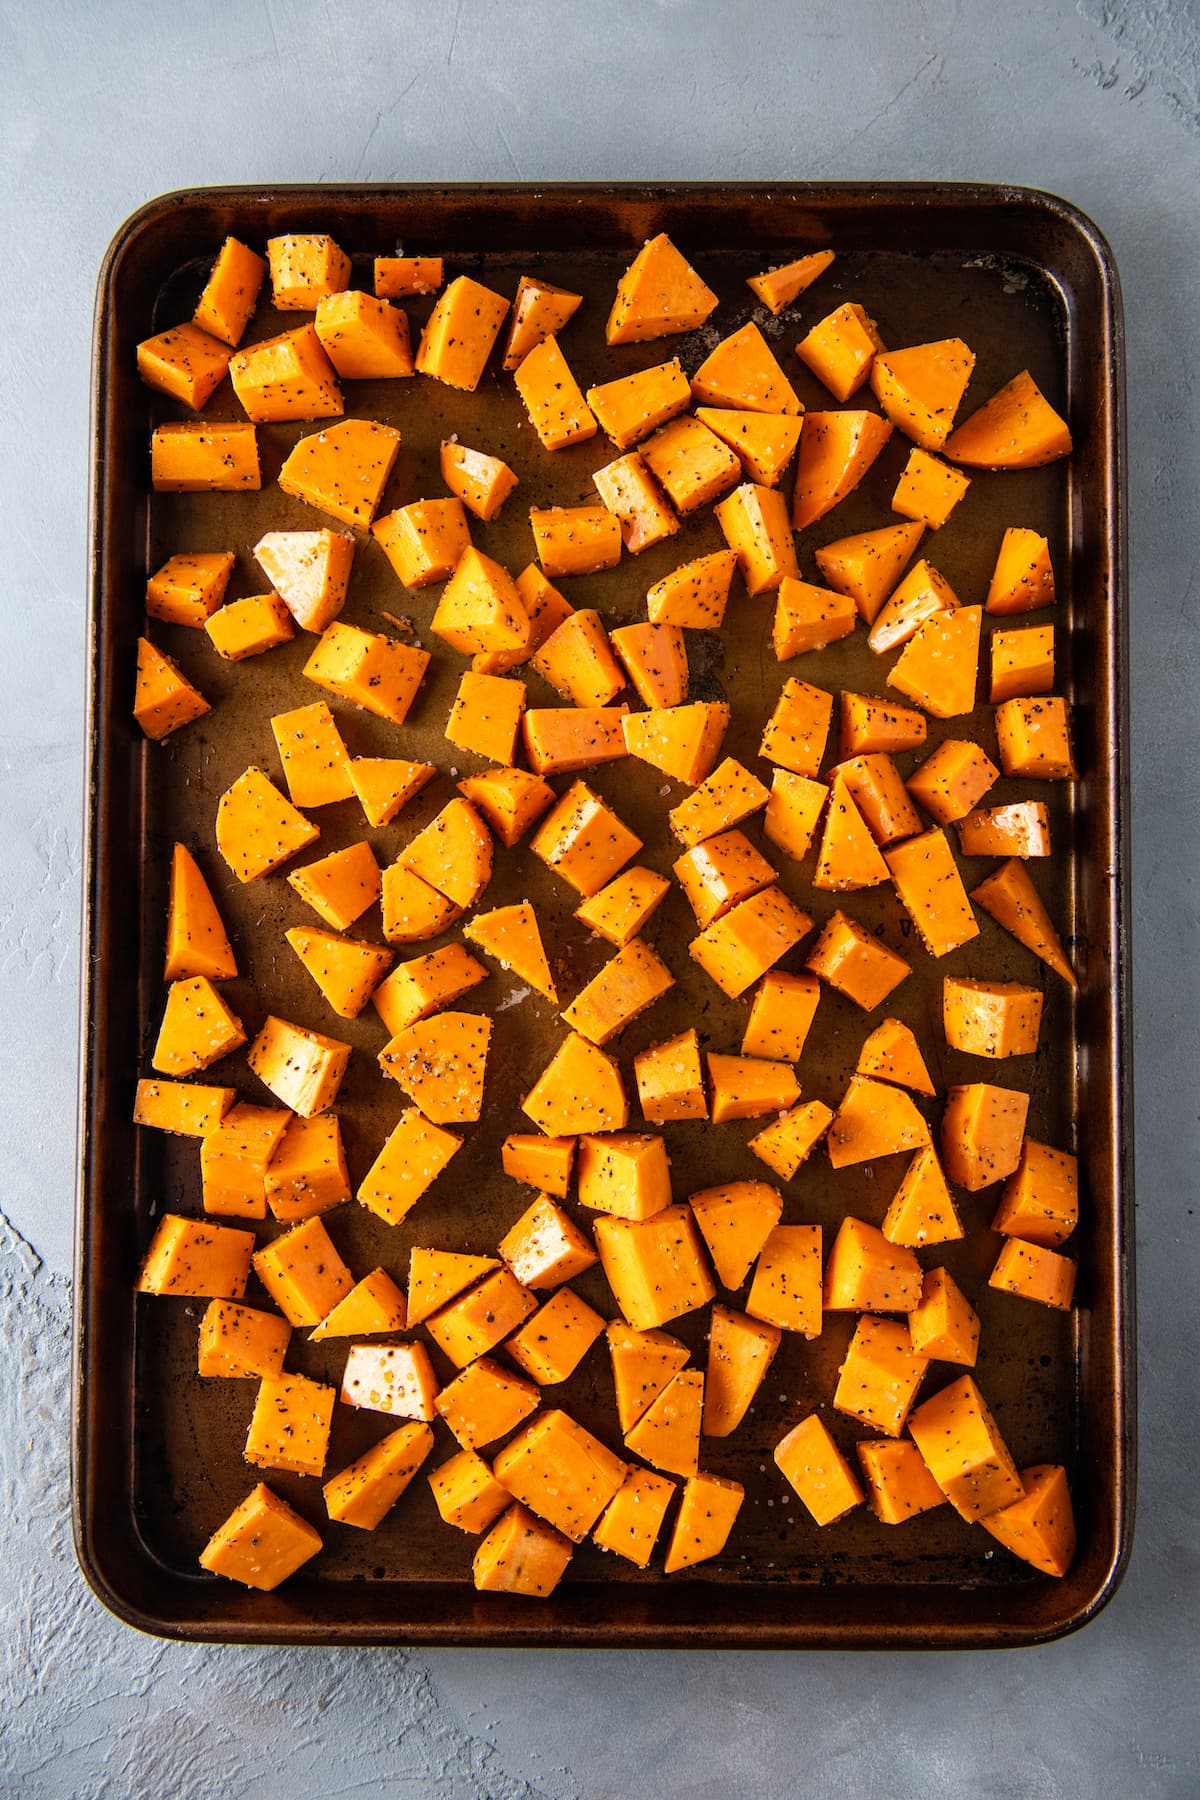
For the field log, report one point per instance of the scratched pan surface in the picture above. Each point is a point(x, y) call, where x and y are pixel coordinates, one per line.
point(158, 1461)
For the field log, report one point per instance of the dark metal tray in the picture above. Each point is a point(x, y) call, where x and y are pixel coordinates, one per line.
point(1030, 283)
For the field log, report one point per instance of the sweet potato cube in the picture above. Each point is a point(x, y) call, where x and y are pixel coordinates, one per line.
point(683, 741)
point(314, 758)
point(898, 1484)
point(346, 971)
point(628, 983)
point(197, 942)
point(197, 1028)
point(261, 1543)
point(303, 267)
point(952, 780)
point(453, 853)
point(308, 1172)
point(482, 482)
point(397, 276)
point(624, 1173)
point(854, 962)
point(377, 673)
point(583, 840)
point(1035, 739)
point(341, 886)
point(841, 348)
point(412, 1158)
point(963, 1450)
point(635, 405)
point(554, 1340)
point(164, 699)
point(480, 608)
point(619, 911)
point(1023, 578)
point(561, 739)
point(740, 947)
point(235, 1159)
point(849, 856)
point(865, 1273)
point(374, 1305)
point(874, 1119)
point(343, 469)
point(922, 1211)
point(579, 1090)
point(540, 310)
point(735, 1221)
point(303, 1273)
point(1020, 830)
point(870, 724)
point(557, 409)
point(190, 457)
point(632, 1520)
point(726, 797)
point(892, 1054)
point(631, 494)
point(643, 1364)
point(944, 1326)
point(778, 287)
point(231, 292)
point(930, 888)
point(309, 570)
point(1034, 1272)
point(786, 1290)
point(542, 1162)
point(187, 590)
point(868, 565)
point(655, 659)
point(250, 627)
point(1016, 429)
point(740, 1351)
point(286, 377)
point(695, 594)
point(690, 463)
point(184, 1107)
point(1022, 663)
point(239, 1341)
point(1040, 1200)
point(512, 936)
point(991, 1018)
point(466, 1492)
point(798, 728)
point(420, 987)
point(184, 362)
point(920, 389)
point(459, 333)
point(655, 1267)
point(486, 716)
point(441, 1063)
point(720, 873)
point(743, 372)
point(808, 617)
point(875, 785)
point(763, 443)
point(785, 1143)
point(561, 1472)
point(754, 522)
point(836, 450)
point(390, 1378)
point(670, 1081)
point(939, 666)
point(289, 1428)
point(878, 1381)
point(486, 1402)
point(816, 1468)
point(1039, 1527)
point(577, 660)
point(545, 1247)
point(302, 1068)
point(521, 1555)
point(435, 1277)
point(511, 800)
point(983, 1128)
point(921, 595)
point(364, 338)
point(706, 1516)
point(745, 1087)
point(425, 540)
point(194, 1259)
point(483, 1317)
point(365, 1492)
point(659, 295)
point(928, 490)
point(575, 540)
point(668, 1432)
point(793, 811)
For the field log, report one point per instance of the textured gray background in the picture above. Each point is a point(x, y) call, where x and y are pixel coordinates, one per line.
point(103, 105)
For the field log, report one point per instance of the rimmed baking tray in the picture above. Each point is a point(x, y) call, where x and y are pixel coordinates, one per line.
point(157, 1453)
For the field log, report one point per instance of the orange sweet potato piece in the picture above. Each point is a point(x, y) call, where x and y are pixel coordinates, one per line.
point(483, 483)
point(459, 333)
point(197, 942)
point(557, 409)
point(164, 699)
point(778, 287)
point(184, 362)
point(440, 1062)
point(744, 373)
point(364, 338)
point(231, 292)
point(659, 295)
point(754, 521)
point(694, 594)
point(189, 457)
point(836, 450)
point(286, 377)
point(540, 310)
point(920, 389)
point(868, 565)
point(874, 1119)
point(1016, 429)
point(635, 405)
point(841, 348)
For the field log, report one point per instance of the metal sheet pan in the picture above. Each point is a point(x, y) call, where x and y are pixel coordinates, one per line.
point(1030, 283)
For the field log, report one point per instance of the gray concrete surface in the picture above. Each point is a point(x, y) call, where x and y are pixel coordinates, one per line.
point(103, 105)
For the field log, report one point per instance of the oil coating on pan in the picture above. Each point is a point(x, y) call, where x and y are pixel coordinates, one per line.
point(158, 1465)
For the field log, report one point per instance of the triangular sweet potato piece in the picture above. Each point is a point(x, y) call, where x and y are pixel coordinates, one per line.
point(735, 1222)
point(763, 442)
point(385, 784)
point(346, 971)
point(892, 1053)
point(836, 450)
point(873, 1120)
point(922, 1211)
point(375, 1304)
point(777, 288)
point(643, 1363)
point(668, 1433)
point(197, 942)
point(921, 388)
point(683, 741)
point(440, 1063)
point(869, 564)
point(740, 1351)
point(511, 935)
point(435, 1277)
point(309, 570)
point(1016, 429)
point(1013, 901)
point(659, 295)
point(743, 372)
point(849, 856)
point(939, 667)
point(343, 469)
